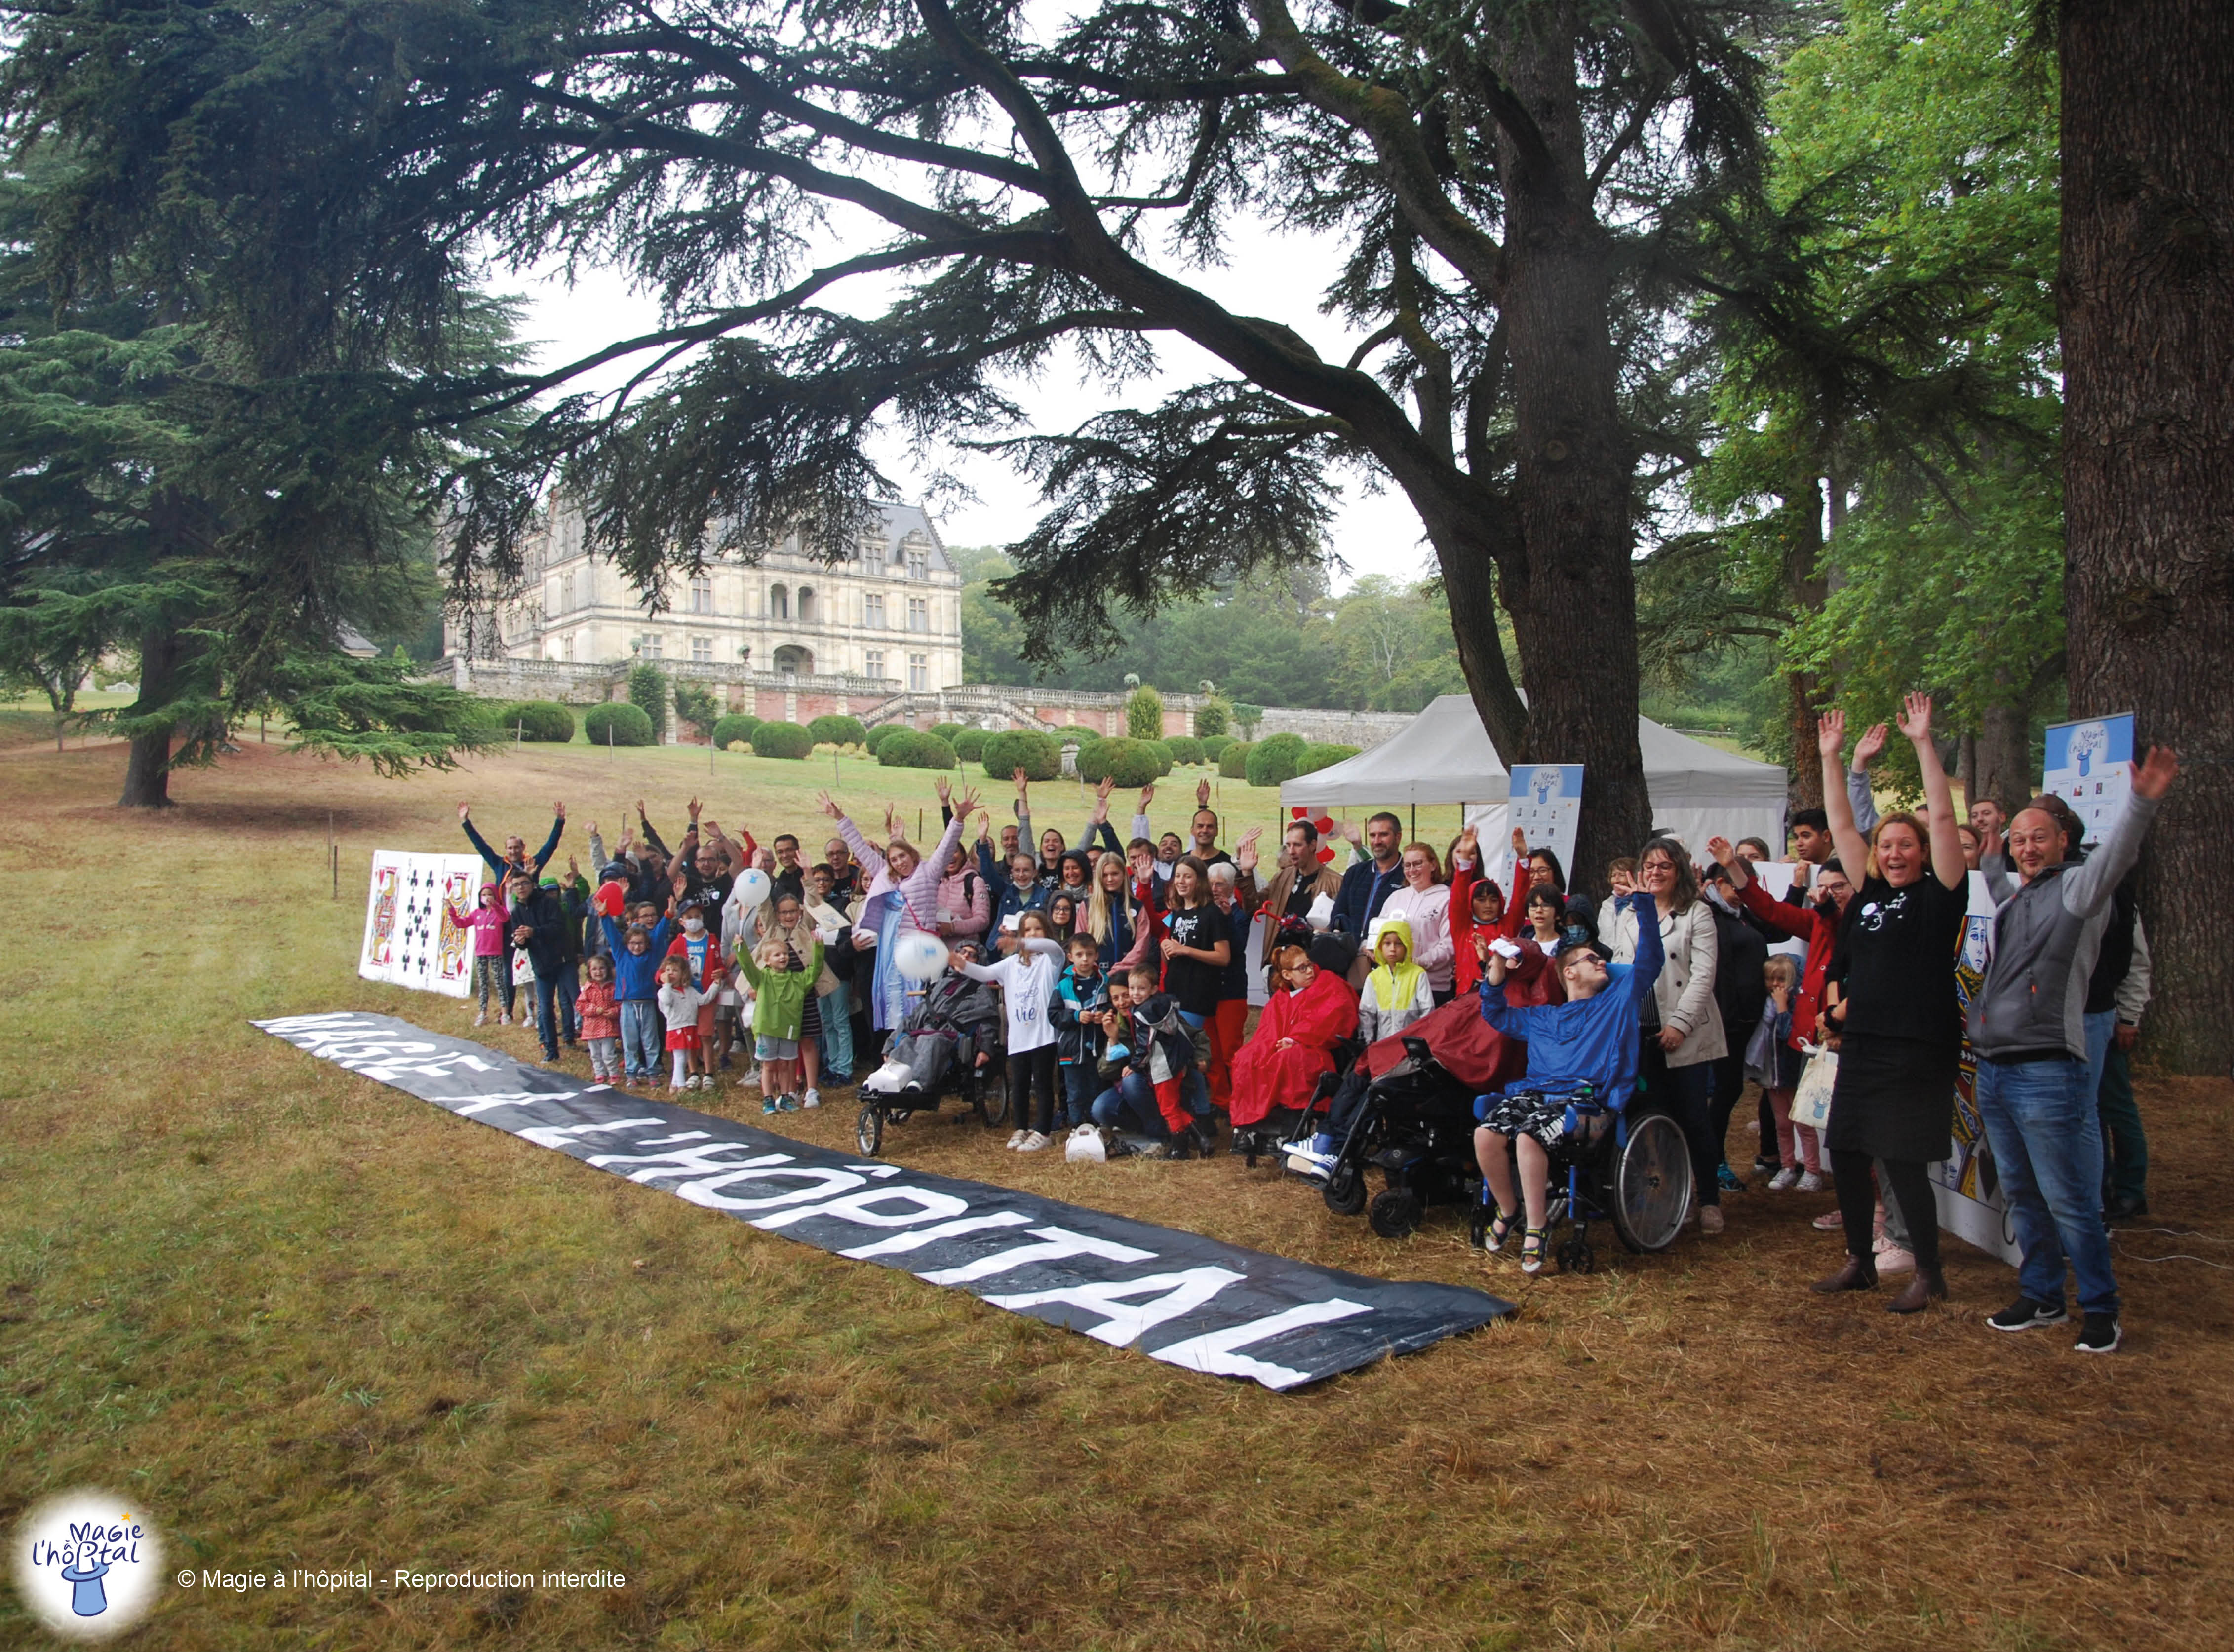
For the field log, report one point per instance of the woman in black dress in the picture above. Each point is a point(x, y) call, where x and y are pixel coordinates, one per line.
point(1895, 1097)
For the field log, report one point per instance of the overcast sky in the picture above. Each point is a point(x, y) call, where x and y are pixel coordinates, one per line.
point(1274, 276)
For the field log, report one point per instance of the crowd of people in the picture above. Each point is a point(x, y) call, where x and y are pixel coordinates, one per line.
point(1115, 976)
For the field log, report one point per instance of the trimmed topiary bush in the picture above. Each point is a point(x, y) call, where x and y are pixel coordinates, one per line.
point(1163, 752)
point(1322, 754)
point(1233, 762)
point(1186, 750)
point(617, 722)
point(1129, 762)
point(970, 745)
point(881, 733)
point(1144, 713)
point(1037, 754)
point(545, 722)
point(914, 749)
point(1213, 747)
point(946, 731)
point(833, 728)
point(781, 739)
point(1213, 716)
point(647, 691)
point(735, 728)
point(1273, 760)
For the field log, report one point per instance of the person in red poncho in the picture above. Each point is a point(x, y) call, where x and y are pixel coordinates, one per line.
point(1306, 1017)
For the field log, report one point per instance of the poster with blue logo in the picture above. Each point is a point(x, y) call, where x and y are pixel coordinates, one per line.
point(1546, 805)
point(2090, 766)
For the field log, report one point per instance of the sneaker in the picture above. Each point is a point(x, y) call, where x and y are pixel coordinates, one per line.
point(2025, 1314)
point(767, 1108)
point(1017, 1139)
point(1727, 1179)
point(1766, 1166)
point(1829, 1222)
point(1811, 1182)
point(2100, 1334)
point(1032, 1143)
point(1783, 1181)
point(786, 1103)
point(811, 1098)
point(481, 1020)
point(503, 1019)
point(1894, 1258)
point(1710, 1218)
point(1309, 1161)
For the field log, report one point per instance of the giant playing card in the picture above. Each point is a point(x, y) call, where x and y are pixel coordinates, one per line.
point(410, 940)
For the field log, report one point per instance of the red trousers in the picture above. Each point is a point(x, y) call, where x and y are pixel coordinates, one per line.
point(1226, 1025)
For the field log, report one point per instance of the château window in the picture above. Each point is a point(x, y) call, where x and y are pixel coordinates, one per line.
point(702, 595)
point(919, 614)
point(873, 611)
point(918, 672)
point(779, 603)
point(873, 663)
point(701, 650)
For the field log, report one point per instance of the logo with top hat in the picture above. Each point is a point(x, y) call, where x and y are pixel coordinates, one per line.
point(88, 1564)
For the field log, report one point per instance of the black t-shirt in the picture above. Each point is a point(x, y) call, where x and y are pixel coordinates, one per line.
point(1898, 946)
point(1198, 985)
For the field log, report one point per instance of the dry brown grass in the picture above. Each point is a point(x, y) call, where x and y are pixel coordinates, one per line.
point(311, 1322)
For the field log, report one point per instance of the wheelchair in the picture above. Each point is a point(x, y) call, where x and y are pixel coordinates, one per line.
point(1629, 1166)
point(1271, 1136)
point(1415, 1126)
point(892, 1097)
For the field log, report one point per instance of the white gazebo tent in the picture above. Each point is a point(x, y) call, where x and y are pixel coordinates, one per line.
point(1444, 755)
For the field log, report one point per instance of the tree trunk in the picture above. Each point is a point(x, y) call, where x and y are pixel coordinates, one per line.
point(1805, 587)
point(2003, 745)
point(2147, 323)
point(1569, 584)
point(147, 773)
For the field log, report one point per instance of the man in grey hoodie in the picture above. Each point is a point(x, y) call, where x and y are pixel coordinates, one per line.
point(2027, 1029)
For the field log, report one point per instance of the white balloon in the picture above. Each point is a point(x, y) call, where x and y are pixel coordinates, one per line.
point(753, 887)
point(919, 956)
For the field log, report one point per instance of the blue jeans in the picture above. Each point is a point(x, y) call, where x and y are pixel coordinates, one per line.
point(2099, 1026)
point(642, 1035)
point(1078, 1084)
point(836, 1039)
point(2041, 1121)
point(554, 1007)
point(1133, 1103)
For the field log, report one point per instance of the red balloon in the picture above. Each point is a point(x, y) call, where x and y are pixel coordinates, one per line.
point(1324, 825)
point(1297, 813)
point(1325, 855)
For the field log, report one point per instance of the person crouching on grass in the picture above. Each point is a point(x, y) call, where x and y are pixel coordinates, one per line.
point(1591, 1039)
point(600, 1014)
point(679, 1003)
point(1164, 1051)
point(781, 981)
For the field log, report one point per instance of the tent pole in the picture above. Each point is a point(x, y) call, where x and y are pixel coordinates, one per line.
point(1416, 820)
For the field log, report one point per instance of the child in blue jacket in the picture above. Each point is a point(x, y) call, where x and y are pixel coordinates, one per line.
point(637, 952)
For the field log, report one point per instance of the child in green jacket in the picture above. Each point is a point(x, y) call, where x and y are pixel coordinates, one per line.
point(782, 981)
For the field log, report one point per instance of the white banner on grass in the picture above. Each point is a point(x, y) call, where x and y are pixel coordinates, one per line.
point(409, 939)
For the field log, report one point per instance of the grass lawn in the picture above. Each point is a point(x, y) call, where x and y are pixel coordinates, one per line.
point(308, 1321)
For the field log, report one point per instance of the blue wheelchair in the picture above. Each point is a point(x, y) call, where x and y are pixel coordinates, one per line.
point(1629, 1166)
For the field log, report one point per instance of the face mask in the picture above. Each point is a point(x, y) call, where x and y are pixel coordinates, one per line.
point(692, 925)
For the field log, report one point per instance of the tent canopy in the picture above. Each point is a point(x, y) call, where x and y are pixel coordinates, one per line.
point(1444, 755)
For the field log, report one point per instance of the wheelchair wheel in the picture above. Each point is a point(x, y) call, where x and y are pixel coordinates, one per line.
point(1578, 1254)
point(869, 1130)
point(1344, 1192)
point(993, 1097)
point(1395, 1213)
point(1651, 1184)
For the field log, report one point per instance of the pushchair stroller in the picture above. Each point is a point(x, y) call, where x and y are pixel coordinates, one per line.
point(935, 1054)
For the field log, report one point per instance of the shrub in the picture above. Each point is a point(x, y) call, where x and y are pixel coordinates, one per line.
point(835, 729)
point(1214, 747)
point(1129, 762)
point(1163, 758)
point(781, 739)
point(695, 705)
point(1233, 762)
point(647, 692)
point(970, 745)
point(1247, 718)
point(1273, 760)
point(737, 727)
point(881, 733)
point(543, 720)
point(946, 731)
point(619, 723)
point(1144, 713)
point(1037, 754)
point(1322, 754)
point(1213, 716)
point(915, 748)
point(1186, 750)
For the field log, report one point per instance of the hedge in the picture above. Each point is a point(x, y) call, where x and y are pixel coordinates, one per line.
point(915, 748)
point(1037, 754)
point(880, 733)
point(946, 731)
point(545, 722)
point(1322, 754)
point(1163, 751)
point(781, 739)
point(1214, 747)
point(619, 723)
point(970, 745)
point(833, 728)
point(1214, 717)
point(1233, 762)
point(1274, 758)
point(1186, 750)
point(1129, 762)
point(738, 725)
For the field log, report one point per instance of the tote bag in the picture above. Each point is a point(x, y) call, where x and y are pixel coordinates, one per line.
point(1811, 1103)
